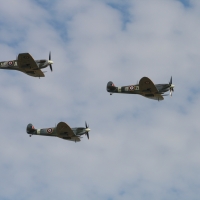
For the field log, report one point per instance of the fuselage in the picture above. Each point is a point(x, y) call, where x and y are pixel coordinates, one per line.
point(12, 65)
point(78, 131)
point(135, 89)
point(130, 89)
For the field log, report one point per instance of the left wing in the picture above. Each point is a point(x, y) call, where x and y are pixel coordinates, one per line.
point(65, 132)
point(28, 65)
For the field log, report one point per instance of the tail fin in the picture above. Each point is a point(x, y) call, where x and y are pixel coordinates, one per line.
point(110, 86)
point(30, 129)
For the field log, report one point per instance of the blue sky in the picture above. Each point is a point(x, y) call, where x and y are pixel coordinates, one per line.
point(186, 3)
point(138, 148)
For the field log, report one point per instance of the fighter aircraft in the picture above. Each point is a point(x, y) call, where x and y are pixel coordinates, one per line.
point(25, 63)
point(62, 130)
point(145, 88)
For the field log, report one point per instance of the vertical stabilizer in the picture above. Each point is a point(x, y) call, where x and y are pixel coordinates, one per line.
point(30, 129)
point(110, 86)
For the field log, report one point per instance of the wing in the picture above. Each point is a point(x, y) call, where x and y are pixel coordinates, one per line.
point(147, 86)
point(28, 65)
point(75, 139)
point(65, 132)
point(157, 97)
point(34, 73)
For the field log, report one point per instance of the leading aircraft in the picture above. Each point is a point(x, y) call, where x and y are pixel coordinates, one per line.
point(145, 88)
point(26, 64)
point(62, 130)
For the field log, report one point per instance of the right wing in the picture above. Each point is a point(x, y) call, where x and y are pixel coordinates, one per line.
point(65, 132)
point(28, 65)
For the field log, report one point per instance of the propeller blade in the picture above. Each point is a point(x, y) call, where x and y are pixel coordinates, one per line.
point(171, 87)
point(87, 135)
point(171, 92)
point(86, 125)
point(170, 82)
point(51, 67)
point(50, 59)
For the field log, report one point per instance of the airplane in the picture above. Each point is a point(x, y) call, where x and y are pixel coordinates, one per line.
point(145, 88)
point(26, 64)
point(62, 130)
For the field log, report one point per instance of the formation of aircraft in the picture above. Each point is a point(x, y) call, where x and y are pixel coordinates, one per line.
point(26, 64)
point(145, 88)
point(62, 130)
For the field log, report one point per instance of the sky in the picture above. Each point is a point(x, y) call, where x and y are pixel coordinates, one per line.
point(138, 148)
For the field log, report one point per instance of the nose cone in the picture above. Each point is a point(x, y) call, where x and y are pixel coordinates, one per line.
point(50, 62)
point(87, 129)
point(172, 86)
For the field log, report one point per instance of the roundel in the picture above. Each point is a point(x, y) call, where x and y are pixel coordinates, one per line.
point(131, 87)
point(10, 63)
point(49, 130)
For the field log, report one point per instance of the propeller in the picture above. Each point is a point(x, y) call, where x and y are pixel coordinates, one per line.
point(87, 130)
point(171, 88)
point(50, 60)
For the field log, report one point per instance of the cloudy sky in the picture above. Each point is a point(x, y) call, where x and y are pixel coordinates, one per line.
point(138, 148)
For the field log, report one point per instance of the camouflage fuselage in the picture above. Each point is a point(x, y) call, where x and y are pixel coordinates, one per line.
point(52, 131)
point(135, 89)
point(12, 65)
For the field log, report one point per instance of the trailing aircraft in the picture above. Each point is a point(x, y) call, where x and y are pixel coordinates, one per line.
point(62, 130)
